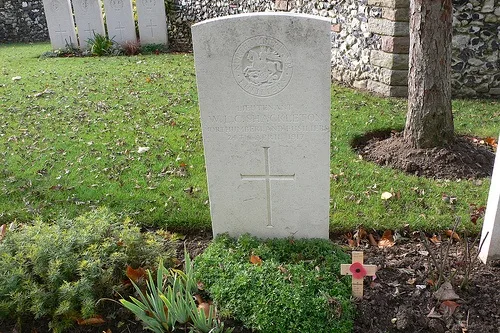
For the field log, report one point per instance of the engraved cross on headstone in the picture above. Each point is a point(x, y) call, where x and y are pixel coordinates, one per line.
point(61, 33)
point(89, 30)
point(120, 29)
point(267, 177)
point(151, 25)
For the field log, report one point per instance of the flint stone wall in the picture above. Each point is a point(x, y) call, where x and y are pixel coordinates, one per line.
point(351, 40)
point(369, 37)
point(22, 21)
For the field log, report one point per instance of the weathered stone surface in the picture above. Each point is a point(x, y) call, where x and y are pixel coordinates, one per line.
point(488, 6)
point(386, 90)
point(88, 16)
point(281, 5)
point(336, 28)
point(395, 44)
point(494, 91)
point(264, 95)
point(399, 14)
point(60, 23)
point(152, 21)
point(389, 60)
point(120, 21)
point(394, 77)
point(390, 3)
point(361, 84)
point(388, 28)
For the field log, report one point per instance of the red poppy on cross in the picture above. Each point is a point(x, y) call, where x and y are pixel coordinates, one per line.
point(358, 272)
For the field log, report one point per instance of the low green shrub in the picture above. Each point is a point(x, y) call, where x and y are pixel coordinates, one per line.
point(153, 48)
point(61, 270)
point(292, 286)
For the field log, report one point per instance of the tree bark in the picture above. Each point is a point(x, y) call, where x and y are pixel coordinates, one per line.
point(429, 121)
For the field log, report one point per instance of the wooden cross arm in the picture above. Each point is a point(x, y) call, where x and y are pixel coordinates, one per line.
point(371, 270)
point(358, 271)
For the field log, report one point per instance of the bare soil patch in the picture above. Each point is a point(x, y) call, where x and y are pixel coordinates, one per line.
point(466, 158)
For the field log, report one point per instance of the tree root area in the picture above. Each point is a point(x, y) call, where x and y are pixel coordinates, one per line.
point(466, 158)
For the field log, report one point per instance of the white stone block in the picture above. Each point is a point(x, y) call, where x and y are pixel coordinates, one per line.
point(60, 23)
point(152, 21)
point(264, 95)
point(490, 236)
point(88, 16)
point(120, 21)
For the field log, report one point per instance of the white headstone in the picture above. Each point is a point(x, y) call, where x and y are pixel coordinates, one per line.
point(88, 16)
point(60, 23)
point(490, 236)
point(264, 95)
point(120, 21)
point(152, 21)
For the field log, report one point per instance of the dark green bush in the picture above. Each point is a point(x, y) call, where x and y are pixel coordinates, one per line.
point(296, 288)
point(61, 270)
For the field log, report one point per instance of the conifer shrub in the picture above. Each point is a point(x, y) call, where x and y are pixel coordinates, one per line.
point(281, 285)
point(60, 270)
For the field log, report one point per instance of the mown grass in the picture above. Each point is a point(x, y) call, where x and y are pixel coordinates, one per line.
point(71, 129)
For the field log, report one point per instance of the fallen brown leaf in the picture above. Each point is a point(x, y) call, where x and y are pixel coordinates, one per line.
point(199, 299)
point(435, 239)
point(446, 293)
point(135, 275)
point(448, 307)
point(452, 234)
point(255, 260)
point(283, 269)
point(3, 231)
point(97, 320)
point(387, 239)
point(372, 240)
point(207, 307)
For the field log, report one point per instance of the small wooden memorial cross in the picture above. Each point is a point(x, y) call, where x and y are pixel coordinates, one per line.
point(358, 272)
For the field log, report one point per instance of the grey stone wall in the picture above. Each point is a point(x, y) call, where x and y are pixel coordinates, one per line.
point(351, 40)
point(369, 37)
point(476, 44)
point(22, 21)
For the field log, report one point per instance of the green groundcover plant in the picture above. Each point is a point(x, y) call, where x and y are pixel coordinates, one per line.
point(60, 270)
point(278, 285)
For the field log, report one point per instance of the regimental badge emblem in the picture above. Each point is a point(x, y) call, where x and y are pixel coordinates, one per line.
point(85, 5)
point(116, 4)
point(262, 66)
point(149, 4)
point(55, 5)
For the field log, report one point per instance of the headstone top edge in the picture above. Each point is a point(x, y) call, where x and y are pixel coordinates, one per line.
point(261, 14)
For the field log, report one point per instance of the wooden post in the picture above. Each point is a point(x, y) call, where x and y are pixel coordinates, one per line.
point(358, 271)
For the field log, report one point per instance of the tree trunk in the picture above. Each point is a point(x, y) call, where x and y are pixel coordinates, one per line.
point(429, 121)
